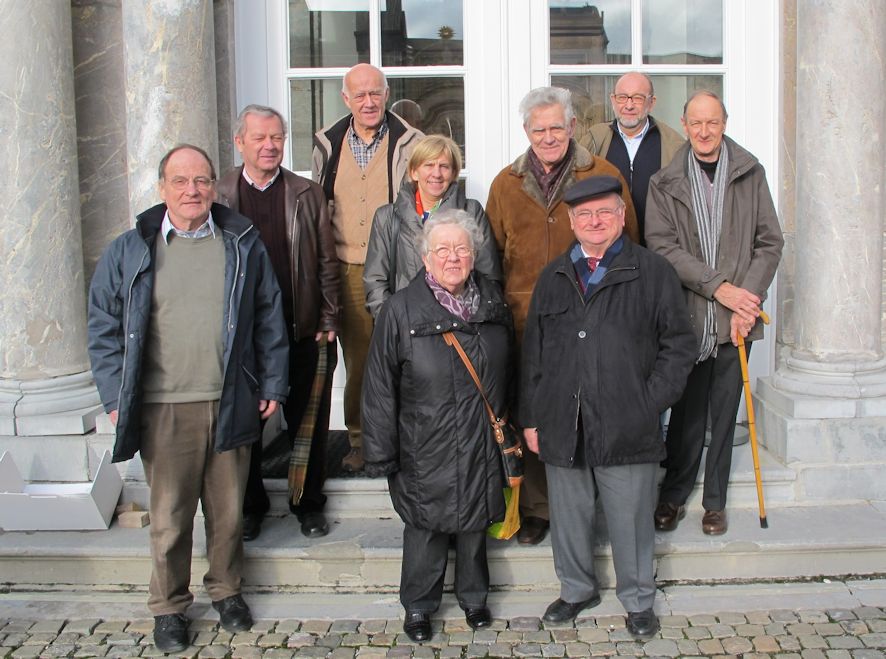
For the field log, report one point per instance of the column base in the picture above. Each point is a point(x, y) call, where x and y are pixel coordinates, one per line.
point(827, 421)
point(66, 405)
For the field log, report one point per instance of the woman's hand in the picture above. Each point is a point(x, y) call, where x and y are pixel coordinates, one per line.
point(531, 437)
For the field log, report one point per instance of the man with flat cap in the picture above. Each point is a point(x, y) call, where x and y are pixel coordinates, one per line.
point(607, 348)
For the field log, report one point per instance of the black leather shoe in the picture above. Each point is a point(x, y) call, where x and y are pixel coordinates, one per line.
point(171, 632)
point(234, 614)
point(642, 625)
point(251, 526)
point(313, 525)
point(478, 618)
point(713, 522)
point(668, 515)
point(417, 626)
point(560, 611)
point(532, 530)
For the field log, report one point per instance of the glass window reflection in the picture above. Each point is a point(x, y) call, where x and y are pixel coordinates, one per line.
point(421, 33)
point(584, 32)
point(590, 96)
point(326, 33)
point(683, 32)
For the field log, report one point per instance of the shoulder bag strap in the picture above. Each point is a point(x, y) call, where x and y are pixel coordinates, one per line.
point(451, 340)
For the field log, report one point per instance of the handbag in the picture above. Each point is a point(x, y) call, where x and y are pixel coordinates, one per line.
point(506, 436)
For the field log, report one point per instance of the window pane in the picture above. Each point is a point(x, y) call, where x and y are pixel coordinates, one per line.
point(683, 32)
point(421, 33)
point(585, 33)
point(315, 104)
point(328, 32)
point(433, 105)
point(590, 96)
point(441, 105)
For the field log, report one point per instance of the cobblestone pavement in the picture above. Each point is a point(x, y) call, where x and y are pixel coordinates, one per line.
point(806, 634)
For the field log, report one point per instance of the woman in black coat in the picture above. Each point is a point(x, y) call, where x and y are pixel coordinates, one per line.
point(425, 425)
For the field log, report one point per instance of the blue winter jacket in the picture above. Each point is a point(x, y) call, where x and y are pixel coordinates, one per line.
point(256, 348)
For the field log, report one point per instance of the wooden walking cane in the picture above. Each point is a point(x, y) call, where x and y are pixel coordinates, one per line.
point(752, 426)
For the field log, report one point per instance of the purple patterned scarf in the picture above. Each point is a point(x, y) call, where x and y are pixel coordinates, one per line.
point(464, 306)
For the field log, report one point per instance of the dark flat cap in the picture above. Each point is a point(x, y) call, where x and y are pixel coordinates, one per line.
point(591, 187)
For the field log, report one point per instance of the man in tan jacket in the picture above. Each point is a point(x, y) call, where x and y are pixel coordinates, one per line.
point(644, 145)
point(359, 161)
point(531, 226)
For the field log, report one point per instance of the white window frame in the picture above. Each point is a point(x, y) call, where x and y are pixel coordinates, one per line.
point(506, 39)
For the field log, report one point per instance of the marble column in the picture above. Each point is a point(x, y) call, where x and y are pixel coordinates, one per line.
point(45, 384)
point(825, 406)
point(169, 70)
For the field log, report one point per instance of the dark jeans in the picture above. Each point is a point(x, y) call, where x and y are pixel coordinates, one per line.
point(716, 385)
point(424, 566)
point(303, 357)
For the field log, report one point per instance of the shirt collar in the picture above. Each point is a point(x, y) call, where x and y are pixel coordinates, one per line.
point(205, 229)
point(379, 134)
point(633, 138)
point(261, 188)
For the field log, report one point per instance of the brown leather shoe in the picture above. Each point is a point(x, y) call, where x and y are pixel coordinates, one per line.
point(353, 461)
point(532, 530)
point(714, 522)
point(668, 515)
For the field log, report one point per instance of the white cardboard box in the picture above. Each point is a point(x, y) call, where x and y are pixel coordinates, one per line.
point(58, 506)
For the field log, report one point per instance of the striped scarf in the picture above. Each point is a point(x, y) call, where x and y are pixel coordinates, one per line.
point(301, 444)
point(707, 206)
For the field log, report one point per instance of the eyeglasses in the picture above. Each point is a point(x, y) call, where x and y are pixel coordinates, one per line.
point(443, 252)
point(604, 214)
point(638, 99)
point(202, 183)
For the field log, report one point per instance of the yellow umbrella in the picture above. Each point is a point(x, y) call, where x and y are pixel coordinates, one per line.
point(752, 427)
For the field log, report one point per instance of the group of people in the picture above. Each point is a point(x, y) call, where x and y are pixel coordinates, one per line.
point(605, 283)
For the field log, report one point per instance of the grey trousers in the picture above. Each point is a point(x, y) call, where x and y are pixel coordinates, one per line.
point(628, 495)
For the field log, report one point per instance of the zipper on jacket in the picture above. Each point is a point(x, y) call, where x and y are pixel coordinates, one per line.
point(236, 275)
point(293, 269)
point(126, 327)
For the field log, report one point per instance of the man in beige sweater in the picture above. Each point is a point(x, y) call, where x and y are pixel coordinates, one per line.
point(359, 161)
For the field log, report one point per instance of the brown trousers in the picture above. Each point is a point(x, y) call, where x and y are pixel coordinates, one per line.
point(182, 468)
point(356, 331)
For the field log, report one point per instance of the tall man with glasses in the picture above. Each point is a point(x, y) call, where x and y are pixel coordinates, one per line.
point(531, 226)
point(359, 161)
point(607, 348)
point(634, 141)
point(711, 215)
point(189, 351)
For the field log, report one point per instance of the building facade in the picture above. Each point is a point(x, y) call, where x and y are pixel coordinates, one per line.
point(96, 91)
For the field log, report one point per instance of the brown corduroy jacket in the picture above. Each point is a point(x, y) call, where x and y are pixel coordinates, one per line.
point(531, 233)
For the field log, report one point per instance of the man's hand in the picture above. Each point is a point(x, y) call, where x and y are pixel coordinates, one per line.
point(330, 336)
point(112, 416)
point(739, 327)
point(267, 408)
point(739, 300)
point(531, 437)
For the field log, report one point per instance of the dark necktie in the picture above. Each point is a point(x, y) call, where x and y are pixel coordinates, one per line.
point(593, 261)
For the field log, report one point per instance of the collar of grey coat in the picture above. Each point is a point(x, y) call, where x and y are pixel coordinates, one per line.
point(674, 179)
point(427, 317)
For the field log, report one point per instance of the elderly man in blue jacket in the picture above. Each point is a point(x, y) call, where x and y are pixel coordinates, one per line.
point(607, 347)
point(189, 351)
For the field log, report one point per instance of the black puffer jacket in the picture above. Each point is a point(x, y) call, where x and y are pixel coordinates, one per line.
point(618, 359)
point(422, 415)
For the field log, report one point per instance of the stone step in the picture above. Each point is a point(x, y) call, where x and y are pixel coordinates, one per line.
point(364, 554)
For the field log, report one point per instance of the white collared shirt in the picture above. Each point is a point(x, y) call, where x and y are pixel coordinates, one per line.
point(205, 229)
point(261, 188)
point(632, 143)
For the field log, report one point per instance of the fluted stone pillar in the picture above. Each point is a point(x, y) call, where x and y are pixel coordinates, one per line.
point(825, 407)
point(45, 384)
point(169, 69)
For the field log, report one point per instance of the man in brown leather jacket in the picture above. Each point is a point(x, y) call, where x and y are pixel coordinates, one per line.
point(291, 215)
